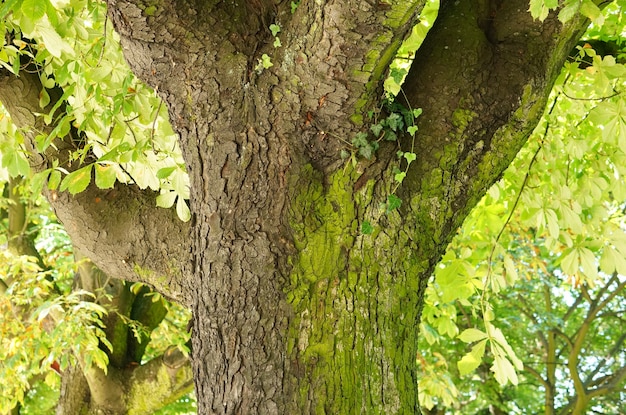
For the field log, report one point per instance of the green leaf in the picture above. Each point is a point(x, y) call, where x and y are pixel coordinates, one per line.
point(538, 9)
point(376, 129)
point(472, 335)
point(78, 180)
point(399, 177)
point(360, 140)
point(366, 228)
point(34, 9)
point(410, 157)
point(54, 179)
point(37, 181)
point(412, 130)
point(105, 176)
point(589, 9)
point(394, 121)
point(275, 29)
point(165, 172)
point(166, 199)
point(504, 371)
point(15, 161)
point(266, 61)
point(569, 10)
point(393, 202)
point(44, 98)
point(390, 136)
point(366, 151)
point(51, 39)
point(472, 360)
point(7, 6)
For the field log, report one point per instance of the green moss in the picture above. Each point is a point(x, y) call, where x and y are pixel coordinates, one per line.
point(401, 12)
point(144, 394)
point(150, 10)
point(347, 291)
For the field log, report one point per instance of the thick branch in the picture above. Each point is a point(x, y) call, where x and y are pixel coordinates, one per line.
point(121, 230)
point(482, 77)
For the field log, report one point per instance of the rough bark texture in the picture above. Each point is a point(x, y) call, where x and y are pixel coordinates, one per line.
point(295, 311)
point(121, 228)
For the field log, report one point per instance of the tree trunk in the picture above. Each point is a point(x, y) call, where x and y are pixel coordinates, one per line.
point(296, 310)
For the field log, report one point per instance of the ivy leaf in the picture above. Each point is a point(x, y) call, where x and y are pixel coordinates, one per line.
point(390, 136)
point(410, 157)
point(366, 228)
point(394, 121)
point(398, 74)
point(399, 177)
point(366, 151)
point(275, 29)
point(376, 129)
point(360, 140)
point(266, 61)
point(78, 180)
point(393, 202)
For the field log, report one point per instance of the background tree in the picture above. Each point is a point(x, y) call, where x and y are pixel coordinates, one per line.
point(542, 258)
point(305, 271)
point(61, 317)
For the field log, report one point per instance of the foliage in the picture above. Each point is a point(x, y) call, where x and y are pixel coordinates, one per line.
point(41, 318)
point(48, 324)
point(554, 222)
point(76, 51)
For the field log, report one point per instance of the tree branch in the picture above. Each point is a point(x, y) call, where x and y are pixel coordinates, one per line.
point(478, 110)
point(121, 230)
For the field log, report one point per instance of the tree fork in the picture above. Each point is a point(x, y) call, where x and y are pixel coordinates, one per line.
point(295, 310)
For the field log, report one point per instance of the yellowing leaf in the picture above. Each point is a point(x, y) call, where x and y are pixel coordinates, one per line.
point(504, 371)
point(105, 176)
point(78, 180)
point(182, 210)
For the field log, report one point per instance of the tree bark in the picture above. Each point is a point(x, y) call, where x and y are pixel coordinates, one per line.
point(295, 309)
